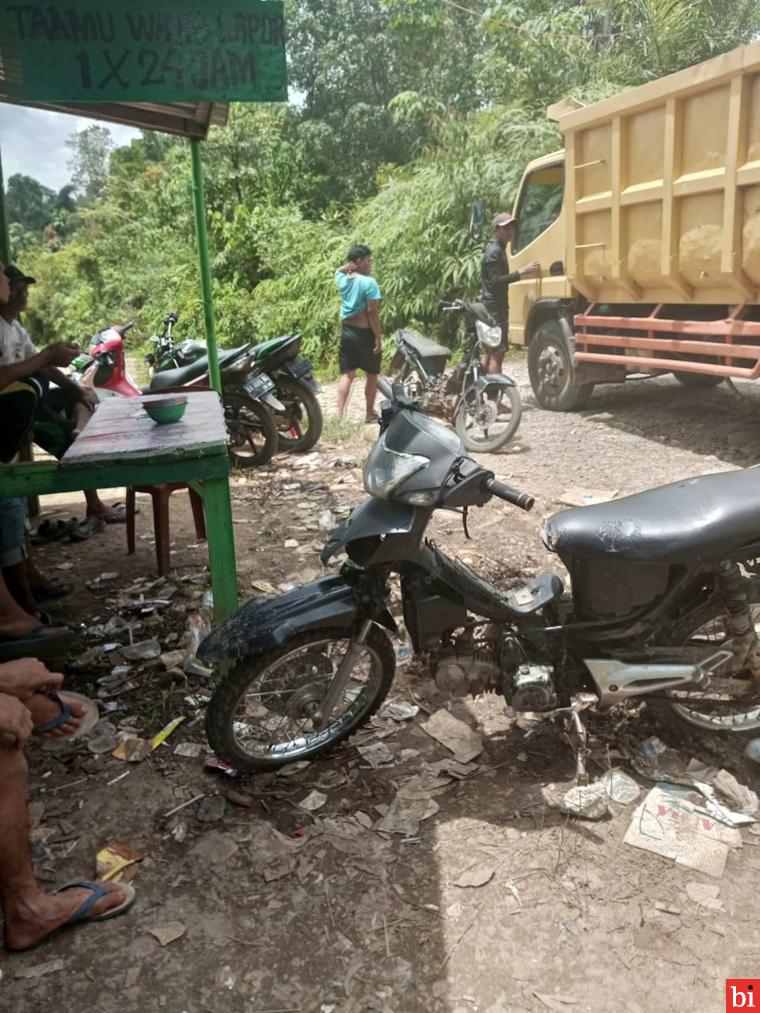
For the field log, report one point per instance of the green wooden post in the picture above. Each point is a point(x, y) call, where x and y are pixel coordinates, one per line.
point(199, 205)
point(5, 245)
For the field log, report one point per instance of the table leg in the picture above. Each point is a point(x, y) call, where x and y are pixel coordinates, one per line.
point(221, 546)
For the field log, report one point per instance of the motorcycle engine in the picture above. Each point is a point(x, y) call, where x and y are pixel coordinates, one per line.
point(530, 688)
point(463, 674)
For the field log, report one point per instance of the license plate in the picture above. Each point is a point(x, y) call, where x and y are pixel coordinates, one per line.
point(258, 386)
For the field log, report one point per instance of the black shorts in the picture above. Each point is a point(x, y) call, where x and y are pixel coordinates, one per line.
point(356, 350)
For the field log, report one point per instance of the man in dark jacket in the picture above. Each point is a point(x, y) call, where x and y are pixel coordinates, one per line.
point(495, 277)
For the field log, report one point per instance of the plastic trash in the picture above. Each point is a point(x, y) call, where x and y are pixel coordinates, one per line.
point(752, 750)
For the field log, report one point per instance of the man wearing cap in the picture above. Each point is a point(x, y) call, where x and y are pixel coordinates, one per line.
point(17, 346)
point(495, 277)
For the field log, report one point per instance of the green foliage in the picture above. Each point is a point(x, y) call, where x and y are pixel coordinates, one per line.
point(403, 113)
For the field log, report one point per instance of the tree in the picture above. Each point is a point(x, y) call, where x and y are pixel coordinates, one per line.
point(28, 202)
point(90, 153)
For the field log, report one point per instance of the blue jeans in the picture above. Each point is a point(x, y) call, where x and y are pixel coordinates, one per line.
point(13, 516)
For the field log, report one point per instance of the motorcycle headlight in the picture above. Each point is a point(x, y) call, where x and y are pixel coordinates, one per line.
point(489, 337)
point(387, 469)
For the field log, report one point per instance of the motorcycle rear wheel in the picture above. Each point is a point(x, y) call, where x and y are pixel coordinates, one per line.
point(251, 428)
point(682, 711)
point(505, 405)
point(259, 716)
point(299, 427)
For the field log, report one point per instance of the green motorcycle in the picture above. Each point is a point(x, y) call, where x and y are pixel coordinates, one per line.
point(299, 420)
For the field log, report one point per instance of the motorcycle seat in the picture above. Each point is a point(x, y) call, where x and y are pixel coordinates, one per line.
point(424, 347)
point(184, 374)
point(696, 518)
point(281, 344)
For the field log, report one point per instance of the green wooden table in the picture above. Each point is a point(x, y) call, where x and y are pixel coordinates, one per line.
point(122, 446)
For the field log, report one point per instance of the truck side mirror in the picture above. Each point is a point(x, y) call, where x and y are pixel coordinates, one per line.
point(557, 268)
point(476, 220)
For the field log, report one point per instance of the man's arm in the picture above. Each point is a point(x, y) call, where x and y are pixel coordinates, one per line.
point(496, 276)
point(373, 315)
point(58, 354)
point(80, 393)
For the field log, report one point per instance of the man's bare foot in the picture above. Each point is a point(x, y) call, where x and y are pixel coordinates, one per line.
point(31, 920)
point(15, 629)
point(111, 515)
point(43, 709)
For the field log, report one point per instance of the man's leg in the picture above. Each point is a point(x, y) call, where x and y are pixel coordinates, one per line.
point(370, 393)
point(30, 915)
point(14, 621)
point(13, 553)
point(344, 390)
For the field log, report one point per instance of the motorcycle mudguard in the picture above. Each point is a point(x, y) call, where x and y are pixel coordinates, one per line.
point(493, 380)
point(265, 623)
point(371, 518)
point(272, 402)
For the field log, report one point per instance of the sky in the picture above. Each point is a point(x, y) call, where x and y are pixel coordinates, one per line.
point(33, 142)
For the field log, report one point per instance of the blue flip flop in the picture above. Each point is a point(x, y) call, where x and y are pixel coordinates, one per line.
point(88, 720)
point(82, 914)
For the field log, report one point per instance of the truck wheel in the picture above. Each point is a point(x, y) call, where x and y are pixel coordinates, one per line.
point(552, 371)
point(698, 381)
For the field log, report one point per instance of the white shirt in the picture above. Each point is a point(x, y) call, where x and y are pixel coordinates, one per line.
point(15, 343)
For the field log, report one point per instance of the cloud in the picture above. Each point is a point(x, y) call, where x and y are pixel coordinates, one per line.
point(33, 142)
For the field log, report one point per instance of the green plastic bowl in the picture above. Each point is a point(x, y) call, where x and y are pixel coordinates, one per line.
point(170, 410)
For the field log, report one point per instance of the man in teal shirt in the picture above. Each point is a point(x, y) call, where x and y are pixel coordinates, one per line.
point(360, 337)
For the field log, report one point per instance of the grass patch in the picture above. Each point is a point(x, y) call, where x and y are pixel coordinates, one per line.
point(337, 430)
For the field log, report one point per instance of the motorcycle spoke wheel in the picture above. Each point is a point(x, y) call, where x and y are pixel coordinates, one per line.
point(263, 712)
point(251, 431)
point(720, 709)
point(487, 425)
point(299, 426)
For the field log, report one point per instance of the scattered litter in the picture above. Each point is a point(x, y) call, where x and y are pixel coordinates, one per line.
point(705, 894)
point(172, 659)
point(752, 750)
point(376, 754)
point(405, 755)
point(556, 1003)
point(40, 969)
point(588, 801)
point(327, 520)
point(146, 650)
point(313, 801)
point(477, 875)
point(132, 750)
point(237, 797)
point(399, 710)
point(168, 933)
point(212, 809)
point(621, 787)
point(214, 763)
point(667, 909)
point(189, 749)
point(214, 849)
point(292, 768)
point(405, 815)
point(182, 805)
point(264, 586)
point(290, 543)
point(363, 819)
point(424, 786)
point(586, 497)
point(739, 795)
point(111, 862)
point(454, 734)
point(668, 824)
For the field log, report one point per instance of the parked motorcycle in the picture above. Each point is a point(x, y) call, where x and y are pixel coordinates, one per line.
point(485, 408)
point(299, 419)
point(664, 601)
point(247, 399)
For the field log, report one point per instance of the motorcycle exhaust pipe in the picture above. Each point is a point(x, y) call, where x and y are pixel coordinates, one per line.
point(620, 680)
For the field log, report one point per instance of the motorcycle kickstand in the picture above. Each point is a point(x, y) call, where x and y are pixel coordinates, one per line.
point(335, 690)
point(576, 734)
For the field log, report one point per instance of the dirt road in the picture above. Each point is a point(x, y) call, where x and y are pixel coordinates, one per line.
point(284, 909)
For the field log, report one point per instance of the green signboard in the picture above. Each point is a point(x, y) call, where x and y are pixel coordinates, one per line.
point(143, 51)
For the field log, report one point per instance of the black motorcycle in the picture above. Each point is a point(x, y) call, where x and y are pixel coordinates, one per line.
point(289, 376)
point(664, 601)
point(485, 408)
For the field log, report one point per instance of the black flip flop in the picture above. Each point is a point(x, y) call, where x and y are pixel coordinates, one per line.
point(53, 531)
point(38, 643)
point(87, 528)
point(57, 589)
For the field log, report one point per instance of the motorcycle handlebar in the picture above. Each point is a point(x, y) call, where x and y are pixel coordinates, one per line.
point(523, 500)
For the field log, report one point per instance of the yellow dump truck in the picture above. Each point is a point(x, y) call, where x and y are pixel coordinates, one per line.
point(647, 227)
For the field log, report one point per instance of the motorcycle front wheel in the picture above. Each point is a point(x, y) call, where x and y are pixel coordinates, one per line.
point(260, 716)
point(251, 430)
point(486, 425)
point(719, 709)
point(299, 426)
